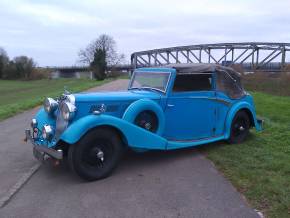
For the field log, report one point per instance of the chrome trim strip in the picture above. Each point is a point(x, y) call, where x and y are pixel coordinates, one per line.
point(192, 140)
point(222, 101)
point(57, 154)
point(228, 103)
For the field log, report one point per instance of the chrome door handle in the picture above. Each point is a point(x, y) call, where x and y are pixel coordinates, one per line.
point(170, 105)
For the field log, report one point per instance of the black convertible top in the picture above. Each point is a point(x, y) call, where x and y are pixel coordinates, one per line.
point(228, 80)
point(203, 68)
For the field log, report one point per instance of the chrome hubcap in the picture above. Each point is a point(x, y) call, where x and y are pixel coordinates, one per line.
point(148, 126)
point(100, 155)
point(147, 120)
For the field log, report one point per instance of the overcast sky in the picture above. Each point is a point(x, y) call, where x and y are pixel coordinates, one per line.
point(52, 32)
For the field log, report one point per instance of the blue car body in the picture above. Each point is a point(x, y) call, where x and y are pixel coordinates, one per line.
point(185, 119)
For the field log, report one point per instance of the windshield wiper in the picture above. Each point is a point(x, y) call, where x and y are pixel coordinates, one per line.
point(152, 89)
point(132, 88)
point(147, 88)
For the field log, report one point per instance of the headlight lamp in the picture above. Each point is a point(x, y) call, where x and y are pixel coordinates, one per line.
point(68, 110)
point(33, 123)
point(50, 105)
point(47, 132)
point(71, 99)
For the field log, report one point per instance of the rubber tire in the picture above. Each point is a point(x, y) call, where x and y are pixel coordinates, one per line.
point(241, 138)
point(76, 150)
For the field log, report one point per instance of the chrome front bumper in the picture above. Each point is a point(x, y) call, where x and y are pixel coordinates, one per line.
point(40, 151)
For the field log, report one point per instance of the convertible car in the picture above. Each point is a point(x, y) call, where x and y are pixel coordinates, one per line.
point(164, 108)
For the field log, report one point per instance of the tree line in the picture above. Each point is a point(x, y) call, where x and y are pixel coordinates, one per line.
point(99, 54)
point(20, 67)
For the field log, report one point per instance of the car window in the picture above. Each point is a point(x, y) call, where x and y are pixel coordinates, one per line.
point(193, 82)
point(151, 80)
point(229, 85)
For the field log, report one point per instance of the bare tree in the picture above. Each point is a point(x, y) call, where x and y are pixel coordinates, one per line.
point(105, 43)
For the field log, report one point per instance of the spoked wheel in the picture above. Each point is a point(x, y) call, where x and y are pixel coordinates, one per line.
point(96, 155)
point(240, 128)
point(147, 120)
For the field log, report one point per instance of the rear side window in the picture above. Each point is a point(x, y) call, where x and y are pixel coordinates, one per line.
point(229, 85)
point(192, 82)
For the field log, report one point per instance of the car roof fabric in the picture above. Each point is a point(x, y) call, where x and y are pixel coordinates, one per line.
point(202, 68)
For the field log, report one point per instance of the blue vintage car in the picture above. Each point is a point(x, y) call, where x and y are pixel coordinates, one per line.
point(164, 108)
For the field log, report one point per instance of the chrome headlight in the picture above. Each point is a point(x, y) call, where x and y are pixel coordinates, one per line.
point(47, 132)
point(50, 105)
point(33, 123)
point(68, 110)
point(71, 99)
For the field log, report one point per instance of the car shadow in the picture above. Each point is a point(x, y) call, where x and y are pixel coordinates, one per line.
point(131, 162)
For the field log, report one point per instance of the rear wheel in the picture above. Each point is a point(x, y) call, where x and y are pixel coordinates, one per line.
point(239, 128)
point(96, 155)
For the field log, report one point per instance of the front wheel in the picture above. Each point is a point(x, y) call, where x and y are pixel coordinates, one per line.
point(96, 155)
point(240, 128)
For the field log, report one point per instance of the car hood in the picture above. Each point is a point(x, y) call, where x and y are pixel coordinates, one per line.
point(116, 96)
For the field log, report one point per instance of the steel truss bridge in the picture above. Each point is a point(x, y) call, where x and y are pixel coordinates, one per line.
point(252, 56)
point(72, 69)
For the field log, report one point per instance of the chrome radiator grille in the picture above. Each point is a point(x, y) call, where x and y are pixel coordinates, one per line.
point(61, 125)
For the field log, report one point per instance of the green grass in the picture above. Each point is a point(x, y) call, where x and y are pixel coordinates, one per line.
point(17, 96)
point(260, 167)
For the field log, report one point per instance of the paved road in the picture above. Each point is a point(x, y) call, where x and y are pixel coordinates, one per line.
point(155, 184)
point(16, 162)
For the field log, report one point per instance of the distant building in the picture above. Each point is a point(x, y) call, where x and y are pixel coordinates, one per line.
point(78, 74)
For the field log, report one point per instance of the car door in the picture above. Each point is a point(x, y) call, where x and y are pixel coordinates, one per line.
point(190, 109)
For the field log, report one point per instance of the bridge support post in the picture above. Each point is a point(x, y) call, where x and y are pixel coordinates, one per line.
point(253, 59)
point(200, 55)
point(226, 52)
point(257, 59)
point(283, 59)
point(208, 55)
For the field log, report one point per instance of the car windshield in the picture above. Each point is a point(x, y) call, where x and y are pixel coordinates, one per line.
point(150, 80)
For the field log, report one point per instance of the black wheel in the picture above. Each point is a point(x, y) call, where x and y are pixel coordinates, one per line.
point(147, 120)
point(96, 155)
point(240, 127)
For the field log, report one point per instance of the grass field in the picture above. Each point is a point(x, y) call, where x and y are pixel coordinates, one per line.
point(274, 85)
point(260, 167)
point(17, 96)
